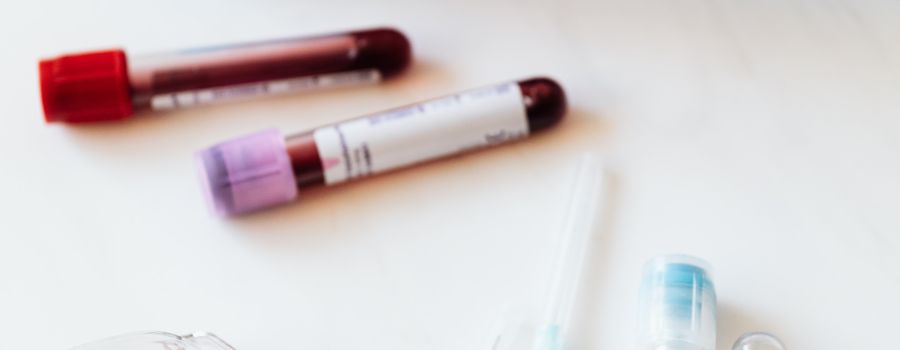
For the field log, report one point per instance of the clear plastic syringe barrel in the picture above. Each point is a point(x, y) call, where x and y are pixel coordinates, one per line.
point(580, 220)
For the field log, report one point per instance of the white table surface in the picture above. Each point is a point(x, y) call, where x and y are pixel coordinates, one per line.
point(759, 135)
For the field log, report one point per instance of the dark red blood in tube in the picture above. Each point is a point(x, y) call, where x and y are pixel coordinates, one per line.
point(385, 49)
point(99, 86)
point(545, 105)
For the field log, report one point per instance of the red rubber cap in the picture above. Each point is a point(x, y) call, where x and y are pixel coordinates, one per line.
point(85, 88)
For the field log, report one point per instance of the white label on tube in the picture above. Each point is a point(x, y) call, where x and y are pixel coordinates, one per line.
point(271, 87)
point(432, 129)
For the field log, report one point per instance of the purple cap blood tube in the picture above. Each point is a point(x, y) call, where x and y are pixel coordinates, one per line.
point(266, 169)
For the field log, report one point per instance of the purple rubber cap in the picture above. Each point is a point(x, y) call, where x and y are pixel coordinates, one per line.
point(247, 174)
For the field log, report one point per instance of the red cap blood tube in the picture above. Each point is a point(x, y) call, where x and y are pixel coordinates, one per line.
point(266, 169)
point(110, 85)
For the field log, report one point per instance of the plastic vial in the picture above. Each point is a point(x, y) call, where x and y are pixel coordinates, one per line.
point(677, 305)
point(112, 85)
point(758, 341)
point(266, 169)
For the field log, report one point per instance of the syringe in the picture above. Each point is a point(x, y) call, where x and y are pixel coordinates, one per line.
point(583, 212)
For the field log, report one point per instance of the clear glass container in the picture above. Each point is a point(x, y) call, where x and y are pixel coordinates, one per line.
point(159, 341)
point(758, 341)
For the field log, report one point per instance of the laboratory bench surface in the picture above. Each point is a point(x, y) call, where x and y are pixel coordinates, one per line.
point(761, 136)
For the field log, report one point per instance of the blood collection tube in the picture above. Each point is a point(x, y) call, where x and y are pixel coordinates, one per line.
point(266, 169)
point(111, 85)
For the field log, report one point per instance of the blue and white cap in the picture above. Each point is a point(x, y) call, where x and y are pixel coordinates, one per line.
point(677, 305)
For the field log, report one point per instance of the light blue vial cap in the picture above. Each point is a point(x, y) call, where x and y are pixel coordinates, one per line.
point(677, 305)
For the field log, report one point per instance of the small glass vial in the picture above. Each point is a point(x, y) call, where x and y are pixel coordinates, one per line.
point(758, 341)
point(267, 169)
point(158, 341)
point(111, 85)
point(677, 305)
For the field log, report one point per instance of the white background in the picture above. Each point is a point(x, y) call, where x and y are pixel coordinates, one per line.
point(759, 135)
